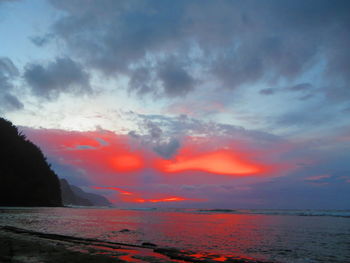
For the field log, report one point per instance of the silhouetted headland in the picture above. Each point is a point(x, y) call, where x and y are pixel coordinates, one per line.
point(26, 179)
point(73, 195)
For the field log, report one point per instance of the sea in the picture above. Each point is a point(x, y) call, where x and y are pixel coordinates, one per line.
point(269, 235)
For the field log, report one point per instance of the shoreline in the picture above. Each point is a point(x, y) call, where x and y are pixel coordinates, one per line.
point(19, 245)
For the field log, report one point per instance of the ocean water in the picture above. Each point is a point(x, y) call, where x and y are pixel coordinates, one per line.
point(275, 235)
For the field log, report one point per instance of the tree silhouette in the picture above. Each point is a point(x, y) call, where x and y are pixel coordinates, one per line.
point(26, 179)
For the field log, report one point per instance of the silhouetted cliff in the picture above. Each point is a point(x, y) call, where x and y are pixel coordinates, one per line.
point(26, 178)
point(73, 195)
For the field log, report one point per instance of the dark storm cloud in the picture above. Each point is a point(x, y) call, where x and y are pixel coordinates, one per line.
point(241, 42)
point(8, 73)
point(61, 75)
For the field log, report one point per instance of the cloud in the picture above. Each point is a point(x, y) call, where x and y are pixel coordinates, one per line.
point(175, 79)
point(317, 177)
point(155, 131)
point(141, 81)
point(61, 75)
point(234, 42)
point(199, 108)
point(118, 154)
point(167, 77)
point(300, 87)
point(217, 162)
point(167, 149)
point(138, 197)
point(102, 155)
point(150, 134)
point(8, 73)
point(268, 91)
point(41, 41)
point(8, 69)
point(227, 171)
point(10, 102)
point(184, 126)
point(306, 118)
point(167, 136)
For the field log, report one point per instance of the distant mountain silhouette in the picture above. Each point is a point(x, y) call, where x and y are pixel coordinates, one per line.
point(69, 197)
point(73, 195)
point(26, 179)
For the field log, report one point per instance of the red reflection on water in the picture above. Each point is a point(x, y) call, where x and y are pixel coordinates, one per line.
point(207, 235)
point(228, 235)
point(221, 259)
point(224, 234)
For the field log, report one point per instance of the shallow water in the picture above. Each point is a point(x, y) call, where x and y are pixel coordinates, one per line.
point(276, 235)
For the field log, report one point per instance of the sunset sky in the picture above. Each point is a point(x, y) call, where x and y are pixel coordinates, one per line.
point(193, 103)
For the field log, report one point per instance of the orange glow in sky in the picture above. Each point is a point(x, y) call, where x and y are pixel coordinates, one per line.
point(126, 162)
point(135, 197)
point(220, 162)
point(169, 199)
point(106, 159)
point(121, 191)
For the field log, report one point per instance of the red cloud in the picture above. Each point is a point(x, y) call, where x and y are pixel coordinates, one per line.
point(317, 177)
point(219, 162)
point(167, 199)
point(138, 197)
point(126, 162)
point(106, 158)
point(103, 155)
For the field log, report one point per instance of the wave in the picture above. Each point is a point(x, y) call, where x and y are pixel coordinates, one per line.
point(218, 210)
point(141, 208)
point(332, 213)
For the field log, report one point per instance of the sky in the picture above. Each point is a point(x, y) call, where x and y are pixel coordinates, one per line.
point(193, 103)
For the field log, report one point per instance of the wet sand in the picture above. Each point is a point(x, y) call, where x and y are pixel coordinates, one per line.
point(24, 246)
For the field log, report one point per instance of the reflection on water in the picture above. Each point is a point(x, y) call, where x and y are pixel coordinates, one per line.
point(283, 238)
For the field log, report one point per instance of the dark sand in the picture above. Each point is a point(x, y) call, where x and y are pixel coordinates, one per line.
point(24, 246)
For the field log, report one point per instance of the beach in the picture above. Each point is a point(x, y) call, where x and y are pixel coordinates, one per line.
point(24, 246)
